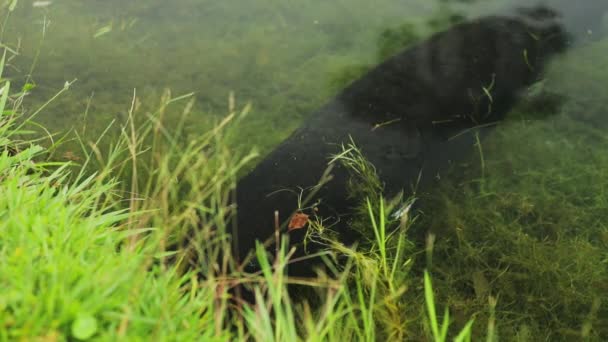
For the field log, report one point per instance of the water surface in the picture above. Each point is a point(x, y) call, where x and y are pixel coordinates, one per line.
point(286, 58)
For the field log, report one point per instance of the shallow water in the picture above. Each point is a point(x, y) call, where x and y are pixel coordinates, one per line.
point(279, 57)
point(285, 58)
point(539, 174)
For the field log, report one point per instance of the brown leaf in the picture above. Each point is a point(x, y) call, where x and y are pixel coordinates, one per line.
point(298, 221)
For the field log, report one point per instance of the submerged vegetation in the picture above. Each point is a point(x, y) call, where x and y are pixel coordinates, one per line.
point(128, 240)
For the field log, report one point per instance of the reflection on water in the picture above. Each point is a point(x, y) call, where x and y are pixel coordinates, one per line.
point(520, 204)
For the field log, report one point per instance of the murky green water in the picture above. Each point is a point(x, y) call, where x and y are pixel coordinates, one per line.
point(286, 58)
point(525, 215)
point(280, 56)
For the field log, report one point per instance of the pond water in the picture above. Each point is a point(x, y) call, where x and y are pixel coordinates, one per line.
point(281, 57)
point(529, 203)
point(286, 58)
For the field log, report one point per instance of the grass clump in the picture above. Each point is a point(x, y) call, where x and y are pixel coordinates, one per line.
point(92, 251)
point(86, 256)
point(389, 296)
point(65, 271)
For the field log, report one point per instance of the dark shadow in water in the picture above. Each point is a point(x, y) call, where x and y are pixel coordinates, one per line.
point(426, 100)
point(394, 40)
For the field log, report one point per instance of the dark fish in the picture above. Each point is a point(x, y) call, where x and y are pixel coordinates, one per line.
point(402, 115)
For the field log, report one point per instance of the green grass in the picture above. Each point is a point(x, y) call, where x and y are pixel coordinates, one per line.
point(80, 262)
point(85, 255)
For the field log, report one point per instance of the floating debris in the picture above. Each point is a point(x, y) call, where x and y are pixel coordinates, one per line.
point(103, 30)
point(41, 4)
point(298, 221)
point(404, 210)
